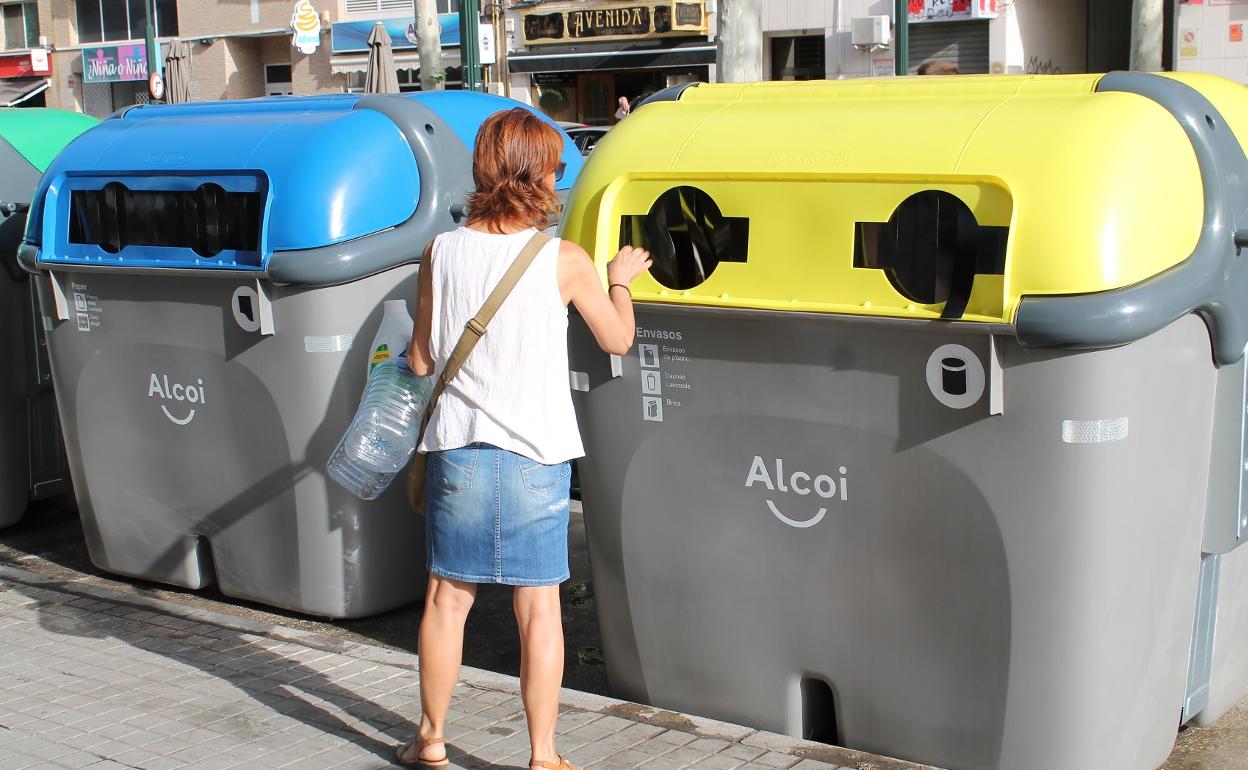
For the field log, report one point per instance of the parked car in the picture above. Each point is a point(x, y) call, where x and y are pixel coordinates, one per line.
point(587, 136)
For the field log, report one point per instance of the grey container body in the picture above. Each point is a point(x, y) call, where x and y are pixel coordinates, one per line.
point(32, 461)
point(1002, 582)
point(234, 491)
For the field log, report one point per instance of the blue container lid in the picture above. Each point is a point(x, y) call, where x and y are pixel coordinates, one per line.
point(465, 111)
point(226, 185)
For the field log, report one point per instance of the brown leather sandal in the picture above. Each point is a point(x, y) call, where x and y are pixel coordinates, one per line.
point(403, 754)
point(563, 764)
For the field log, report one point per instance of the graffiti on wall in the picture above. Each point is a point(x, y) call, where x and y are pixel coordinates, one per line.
point(1038, 66)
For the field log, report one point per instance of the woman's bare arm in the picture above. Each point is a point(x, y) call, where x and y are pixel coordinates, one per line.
point(608, 315)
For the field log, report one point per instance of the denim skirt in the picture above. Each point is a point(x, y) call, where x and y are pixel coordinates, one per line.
point(495, 516)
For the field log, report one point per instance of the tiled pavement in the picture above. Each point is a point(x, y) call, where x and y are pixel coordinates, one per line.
point(94, 678)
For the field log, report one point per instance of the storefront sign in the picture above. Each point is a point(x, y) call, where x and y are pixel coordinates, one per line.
point(114, 63)
point(352, 36)
point(25, 65)
point(613, 21)
point(305, 22)
point(951, 10)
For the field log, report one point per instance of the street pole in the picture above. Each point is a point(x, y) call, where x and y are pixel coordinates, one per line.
point(469, 56)
point(901, 37)
point(501, 73)
point(1146, 35)
point(149, 39)
point(429, 45)
point(739, 42)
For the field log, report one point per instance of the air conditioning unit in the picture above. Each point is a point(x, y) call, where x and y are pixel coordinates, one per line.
point(871, 32)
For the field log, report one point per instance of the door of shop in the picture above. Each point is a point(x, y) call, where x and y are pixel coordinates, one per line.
point(596, 98)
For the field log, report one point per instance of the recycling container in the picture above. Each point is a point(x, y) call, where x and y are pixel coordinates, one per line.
point(32, 457)
point(211, 274)
point(932, 440)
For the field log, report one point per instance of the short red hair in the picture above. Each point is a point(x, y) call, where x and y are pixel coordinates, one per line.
point(515, 155)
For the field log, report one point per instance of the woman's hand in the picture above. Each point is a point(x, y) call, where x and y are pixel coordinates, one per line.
point(629, 263)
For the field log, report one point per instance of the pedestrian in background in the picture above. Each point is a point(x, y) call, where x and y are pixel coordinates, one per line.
point(624, 109)
point(501, 436)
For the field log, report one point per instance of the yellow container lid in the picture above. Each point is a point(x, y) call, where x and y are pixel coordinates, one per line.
point(903, 197)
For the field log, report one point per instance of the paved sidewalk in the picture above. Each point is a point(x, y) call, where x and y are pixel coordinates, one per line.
point(94, 678)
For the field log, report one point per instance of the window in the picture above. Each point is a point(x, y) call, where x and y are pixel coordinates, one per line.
point(21, 25)
point(392, 8)
point(104, 20)
point(278, 80)
point(797, 58)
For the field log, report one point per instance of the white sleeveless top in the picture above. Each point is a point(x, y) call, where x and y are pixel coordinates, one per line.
point(513, 391)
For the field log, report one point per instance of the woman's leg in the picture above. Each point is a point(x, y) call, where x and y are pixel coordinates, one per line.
point(447, 603)
point(541, 663)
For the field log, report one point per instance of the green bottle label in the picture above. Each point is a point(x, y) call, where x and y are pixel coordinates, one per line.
point(382, 353)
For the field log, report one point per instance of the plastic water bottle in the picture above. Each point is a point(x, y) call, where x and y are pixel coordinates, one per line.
point(393, 335)
point(382, 436)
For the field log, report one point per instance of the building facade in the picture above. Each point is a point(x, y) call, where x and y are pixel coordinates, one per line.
point(814, 39)
point(89, 55)
point(1209, 37)
point(577, 59)
point(573, 58)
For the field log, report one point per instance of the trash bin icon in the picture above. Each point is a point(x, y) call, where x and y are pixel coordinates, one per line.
point(234, 258)
point(954, 470)
point(32, 457)
point(954, 376)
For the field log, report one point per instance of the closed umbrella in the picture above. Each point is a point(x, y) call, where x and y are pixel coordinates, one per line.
point(381, 77)
point(178, 72)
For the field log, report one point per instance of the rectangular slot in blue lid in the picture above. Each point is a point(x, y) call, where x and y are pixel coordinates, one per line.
point(211, 221)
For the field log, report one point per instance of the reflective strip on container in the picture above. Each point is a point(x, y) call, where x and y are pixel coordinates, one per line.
point(337, 343)
point(1094, 431)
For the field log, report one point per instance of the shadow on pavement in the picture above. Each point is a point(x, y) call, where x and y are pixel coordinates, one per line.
point(286, 687)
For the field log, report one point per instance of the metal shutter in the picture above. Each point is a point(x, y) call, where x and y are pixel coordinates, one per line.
point(965, 43)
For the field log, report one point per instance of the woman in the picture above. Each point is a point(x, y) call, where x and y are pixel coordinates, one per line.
point(501, 436)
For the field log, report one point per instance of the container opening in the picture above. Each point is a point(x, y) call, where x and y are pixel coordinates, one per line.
point(245, 308)
point(204, 562)
point(687, 237)
point(818, 711)
point(931, 249)
point(206, 220)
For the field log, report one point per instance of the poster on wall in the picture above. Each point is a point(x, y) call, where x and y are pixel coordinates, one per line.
point(114, 63)
point(920, 11)
point(1189, 43)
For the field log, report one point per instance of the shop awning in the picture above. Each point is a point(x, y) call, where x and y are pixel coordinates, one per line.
point(636, 57)
point(14, 91)
point(410, 60)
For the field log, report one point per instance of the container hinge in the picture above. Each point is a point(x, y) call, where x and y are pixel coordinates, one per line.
point(252, 309)
point(61, 304)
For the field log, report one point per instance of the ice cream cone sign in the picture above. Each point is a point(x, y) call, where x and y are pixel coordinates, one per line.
point(305, 22)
